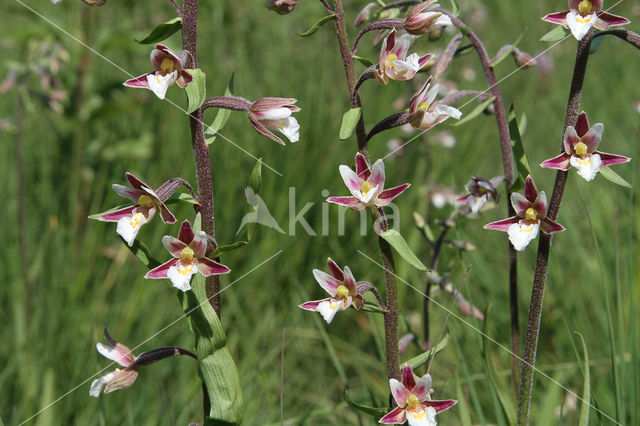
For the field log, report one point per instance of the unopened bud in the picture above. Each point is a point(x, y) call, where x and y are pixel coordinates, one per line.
point(282, 7)
point(436, 33)
point(523, 59)
point(364, 15)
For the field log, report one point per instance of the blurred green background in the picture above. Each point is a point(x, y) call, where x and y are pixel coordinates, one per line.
point(70, 129)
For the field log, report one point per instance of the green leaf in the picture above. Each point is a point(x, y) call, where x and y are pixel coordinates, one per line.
point(227, 249)
point(586, 393)
point(396, 240)
point(455, 8)
point(142, 252)
point(315, 27)
point(372, 307)
point(222, 116)
point(521, 164)
point(215, 363)
point(420, 360)
point(184, 197)
point(372, 411)
point(595, 45)
point(500, 388)
point(196, 90)
point(506, 52)
point(612, 176)
point(462, 408)
point(364, 61)
point(349, 122)
point(255, 180)
point(162, 31)
point(558, 33)
point(476, 112)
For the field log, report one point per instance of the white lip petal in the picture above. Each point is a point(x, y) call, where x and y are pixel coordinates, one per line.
point(443, 21)
point(369, 196)
point(159, 83)
point(587, 168)
point(580, 25)
point(129, 226)
point(521, 234)
point(421, 415)
point(98, 384)
point(291, 129)
point(329, 308)
point(448, 111)
point(180, 277)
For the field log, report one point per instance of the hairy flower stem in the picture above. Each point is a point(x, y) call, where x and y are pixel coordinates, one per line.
point(509, 174)
point(544, 246)
point(391, 316)
point(200, 148)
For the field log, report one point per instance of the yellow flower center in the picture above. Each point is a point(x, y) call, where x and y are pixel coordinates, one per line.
point(187, 254)
point(581, 148)
point(136, 220)
point(167, 66)
point(412, 401)
point(531, 214)
point(392, 57)
point(423, 106)
point(585, 8)
point(146, 201)
point(366, 187)
point(342, 292)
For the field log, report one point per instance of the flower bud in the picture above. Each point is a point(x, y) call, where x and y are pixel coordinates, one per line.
point(282, 7)
point(364, 15)
point(422, 18)
point(523, 59)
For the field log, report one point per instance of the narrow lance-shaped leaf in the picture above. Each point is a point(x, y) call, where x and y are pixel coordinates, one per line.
point(558, 33)
point(196, 90)
point(586, 393)
point(375, 412)
point(505, 52)
point(162, 31)
point(222, 116)
point(612, 176)
point(476, 111)
point(220, 250)
point(455, 8)
point(349, 122)
point(420, 360)
point(364, 61)
point(315, 27)
point(255, 180)
point(521, 163)
point(398, 242)
point(142, 252)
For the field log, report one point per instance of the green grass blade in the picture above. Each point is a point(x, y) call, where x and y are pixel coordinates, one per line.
point(586, 392)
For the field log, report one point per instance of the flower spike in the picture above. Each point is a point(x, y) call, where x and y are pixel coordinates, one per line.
point(189, 252)
point(580, 150)
point(584, 14)
point(413, 397)
point(168, 69)
point(366, 186)
point(531, 216)
point(147, 202)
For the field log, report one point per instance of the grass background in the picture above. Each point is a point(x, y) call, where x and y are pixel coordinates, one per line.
point(64, 278)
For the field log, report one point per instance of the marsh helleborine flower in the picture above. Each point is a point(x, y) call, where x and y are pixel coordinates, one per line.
point(413, 396)
point(343, 289)
point(480, 192)
point(582, 15)
point(189, 252)
point(121, 377)
point(531, 215)
point(366, 186)
point(423, 17)
point(168, 69)
point(394, 62)
point(580, 143)
point(130, 219)
point(282, 7)
point(267, 114)
point(428, 112)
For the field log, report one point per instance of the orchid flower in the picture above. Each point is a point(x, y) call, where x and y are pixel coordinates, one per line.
point(147, 201)
point(268, 114)
point(394, 62)
point(124, 377)
point(189, 252)
point(168, 69)
point(427, 112)
point(343, 289)
point(582, 15)
point(413, 396)
point(423, 17)
point(531, 215)
point(580, 143)
point(481, 191)
point(366, 186)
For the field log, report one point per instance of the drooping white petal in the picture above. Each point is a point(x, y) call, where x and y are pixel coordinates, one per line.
point(98, 384)
point(580, 25)
point(129, 226)
point(443, 21)
point(180, 276)
point(291, 129)
point(476, 203)
point(329, 308)
point(522, 233)
point(160, 83)
point(421, 415)
point(587, 168)
point(447, 110)
point(367, 197)
point(407, 67)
